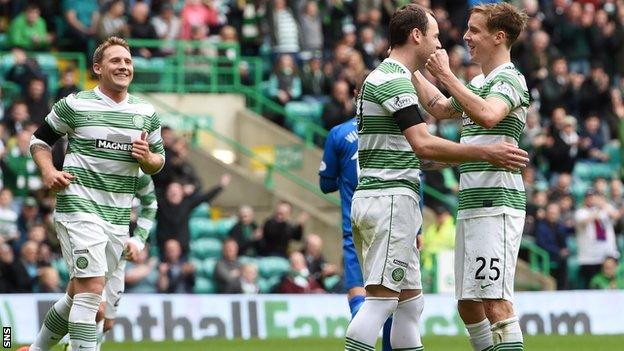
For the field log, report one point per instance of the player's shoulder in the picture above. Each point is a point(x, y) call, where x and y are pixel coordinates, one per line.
point(344, 128)
point(387, 72)
point(141, 103)
point(511, 74)
point(76, 100)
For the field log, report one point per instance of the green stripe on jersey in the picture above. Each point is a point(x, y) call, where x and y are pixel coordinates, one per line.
point(113, 183)
point(373, 183)
point(380, 125)
point(509, 126)
point(393, 88)
point(482, 167)
point(87, 95)
point(76, 204)
point(390, 67)
point(87, 148)
point(64, 112)
point(123, 120)
point(387, 159)
point(491, 197)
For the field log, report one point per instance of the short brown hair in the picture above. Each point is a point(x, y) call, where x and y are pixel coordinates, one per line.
point(504, 17)
point(98, 55)
point(405, 20)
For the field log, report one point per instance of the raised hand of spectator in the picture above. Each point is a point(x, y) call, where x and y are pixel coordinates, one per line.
point(163, 268)
point(188, 268)
point(225, 180)
point(258, 234)
point(302, 218)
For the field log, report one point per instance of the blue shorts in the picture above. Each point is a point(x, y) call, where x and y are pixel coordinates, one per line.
point(352, 269)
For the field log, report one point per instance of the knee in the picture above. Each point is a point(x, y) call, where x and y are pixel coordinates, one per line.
point(497, 310)
point(108, 324)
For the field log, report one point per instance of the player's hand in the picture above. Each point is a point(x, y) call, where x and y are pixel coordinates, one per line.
point(507, 155)
point(420, 242)
point(56, 180)
point(131, 251)
point(225, 180)
point(438, 63)
point(140, 148)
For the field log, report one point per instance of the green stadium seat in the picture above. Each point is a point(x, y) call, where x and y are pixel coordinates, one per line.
point(204, 286)
point(201, 211)
point(589, 170)
point(208, 228)
point(267, 285)
point(273, 266)
point(612, 149)
point(299, 113)
point(572, 245)
point(248, 260)
point(206, 248)
point(205, 268)
point(573, 272)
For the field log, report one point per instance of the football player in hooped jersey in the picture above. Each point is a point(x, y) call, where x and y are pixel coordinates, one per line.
point(112, 136)
point(385, 213)
point(491, 212)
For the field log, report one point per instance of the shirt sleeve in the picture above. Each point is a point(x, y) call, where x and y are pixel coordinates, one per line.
point(62, 116)
point(153, 137)
point(148, 206)
point(507, 87)
point(330, 165)
point(396, 94)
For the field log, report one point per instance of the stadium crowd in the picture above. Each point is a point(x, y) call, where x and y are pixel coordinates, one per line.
point(571, 54)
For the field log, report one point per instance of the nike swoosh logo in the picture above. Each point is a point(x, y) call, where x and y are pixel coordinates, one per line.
point(485, 286)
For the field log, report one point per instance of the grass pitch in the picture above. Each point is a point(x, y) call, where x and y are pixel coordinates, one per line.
point(432, 343)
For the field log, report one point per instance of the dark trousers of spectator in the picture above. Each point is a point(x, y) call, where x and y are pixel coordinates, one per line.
point(587, 272)
point(560, 273)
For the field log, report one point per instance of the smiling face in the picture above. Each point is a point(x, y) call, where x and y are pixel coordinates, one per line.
point(479, 39)
point(115, 69)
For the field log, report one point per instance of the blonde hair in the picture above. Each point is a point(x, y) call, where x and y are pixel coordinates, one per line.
point(504, 17)
point(98, 55)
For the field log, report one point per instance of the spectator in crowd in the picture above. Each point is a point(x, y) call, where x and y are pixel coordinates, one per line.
point(249, 17)
point(371, 47)
point(228, 269)
point(315, 83)
point(18, 118)
point(141, 28)
point(196, 15)
point(285, 84)
point(177, 166)
point(284, 29)
point(49, 281)
point(592, 140)
point(249, 279)
point(609, 277)
point(551, 236)
point(298, 280)
point(439, 236)
point(68, 83)
point(245, 232)
point(113, 22)
point(175, 210)
point(8, 217)
point(278, 231)
point(28, 218)
point(311, 28)
point(28, 30)
point(560, 146)
point(340, 108)
point(175, 274)
point(27, 269)
point(23, 70)
point(356, 71)
point(8, 272)
point(37, 100)
point(142, 276)
point(21, 174)
point(595, 234)
point(319, 268)
point(82, 17)
point(574, 38)
point(556, 88)
point(167, 26)
point(595, 95)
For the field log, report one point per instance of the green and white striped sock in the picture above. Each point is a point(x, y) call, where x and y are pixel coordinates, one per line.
point(82, 327)
point(54, 325)
point(507, 335)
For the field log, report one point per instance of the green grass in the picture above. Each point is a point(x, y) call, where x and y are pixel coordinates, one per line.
point(432, 343)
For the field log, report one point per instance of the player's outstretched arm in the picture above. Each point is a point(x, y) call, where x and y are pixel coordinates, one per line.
point(433, 148)
point(432, 99)
point(484, 112)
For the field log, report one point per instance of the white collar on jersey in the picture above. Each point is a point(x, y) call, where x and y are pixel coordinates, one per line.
point(108, 100)
point(499, 68)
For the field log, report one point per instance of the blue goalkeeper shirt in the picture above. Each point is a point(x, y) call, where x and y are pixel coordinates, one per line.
point(339, 167)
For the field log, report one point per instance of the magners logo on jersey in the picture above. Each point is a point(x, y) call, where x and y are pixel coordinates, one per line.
point(113, 145)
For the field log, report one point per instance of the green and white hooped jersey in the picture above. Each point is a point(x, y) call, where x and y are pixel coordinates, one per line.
point(100, 133)
point(486, 190)
point(387, 162)
point(146, 196)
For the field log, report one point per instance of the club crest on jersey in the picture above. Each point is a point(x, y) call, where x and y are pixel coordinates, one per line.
point(400, 102)
point(138, 121)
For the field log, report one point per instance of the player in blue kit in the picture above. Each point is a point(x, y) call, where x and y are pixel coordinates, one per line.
point(339, 171)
